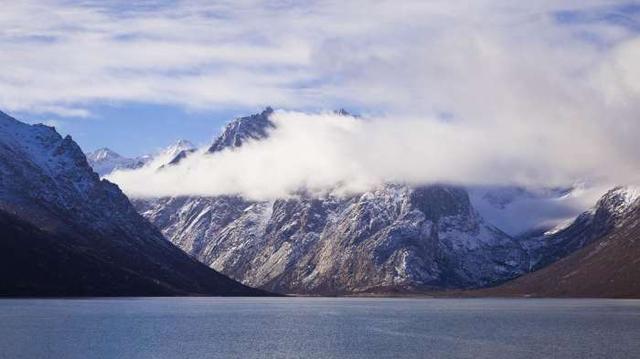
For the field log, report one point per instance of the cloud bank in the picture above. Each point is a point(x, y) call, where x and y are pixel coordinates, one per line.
point(327, 153)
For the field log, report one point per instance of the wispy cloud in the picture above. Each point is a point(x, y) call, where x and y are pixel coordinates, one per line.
point(432, 56)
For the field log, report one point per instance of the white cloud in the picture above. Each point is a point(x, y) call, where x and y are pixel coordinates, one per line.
point(382, 55)
point(327, 152)
point(528, 98)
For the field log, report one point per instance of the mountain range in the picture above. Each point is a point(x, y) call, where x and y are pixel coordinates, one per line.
point(68, 232)
point(393, 238)
point(105, 161)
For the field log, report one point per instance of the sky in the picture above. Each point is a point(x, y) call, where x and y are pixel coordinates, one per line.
point(483, 92)
point(135, 77)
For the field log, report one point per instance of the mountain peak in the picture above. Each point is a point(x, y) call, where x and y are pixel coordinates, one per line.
point(243, 129)
point(185, 144)
point(619, 199)
point(178, 147)
point(104, 161)
point(178, 151)
point(103, 154)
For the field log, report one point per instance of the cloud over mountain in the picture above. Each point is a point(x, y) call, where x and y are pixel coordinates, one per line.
point(343, 154)
point(462, 92)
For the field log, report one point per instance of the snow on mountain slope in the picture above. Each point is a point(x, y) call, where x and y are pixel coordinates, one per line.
point(48, 190)
point(240, 130)
point(521, 211)
point(604, 261)
point(392, 238)
point(105, 161)
point(603, 218)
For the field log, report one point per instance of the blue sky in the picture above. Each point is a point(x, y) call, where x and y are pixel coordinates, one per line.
point(136, 129)
point(138, 77)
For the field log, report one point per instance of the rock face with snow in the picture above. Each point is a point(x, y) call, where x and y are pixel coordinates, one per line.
point(393, 238)
point(603, 218)
point(243, 129)
point(598, 255)
point(104, 161)
point(66, 232)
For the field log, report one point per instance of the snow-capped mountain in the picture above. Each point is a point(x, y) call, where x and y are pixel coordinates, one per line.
point(596, 256)
point(234, 134)
point(104, 161)
point(392, 238)
point(243, 129)
point(67, 232)
point(177, 148)
point(608, 214)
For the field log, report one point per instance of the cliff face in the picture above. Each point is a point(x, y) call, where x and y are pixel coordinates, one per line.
point(393, 238)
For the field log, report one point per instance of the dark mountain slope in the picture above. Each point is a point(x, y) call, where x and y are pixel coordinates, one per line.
point(66, 232)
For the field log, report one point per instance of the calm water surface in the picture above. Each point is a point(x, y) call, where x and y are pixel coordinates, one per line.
point(319, 328)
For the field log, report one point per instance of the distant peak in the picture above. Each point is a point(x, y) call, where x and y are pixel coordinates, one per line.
point(342, 112)
point(181, 145)
point(184, 143)
point(102, 154)
point(178, 147)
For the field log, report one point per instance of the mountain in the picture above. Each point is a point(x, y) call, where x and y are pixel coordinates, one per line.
point(606, 215)
point(104, 161)
point(66, 232)
point(177, 151)
point(601, 255)
point(392, 238)
point(525, 211)
point(235, 133)
point(243, 129)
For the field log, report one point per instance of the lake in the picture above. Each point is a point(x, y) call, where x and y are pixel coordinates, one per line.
point(319, 328)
